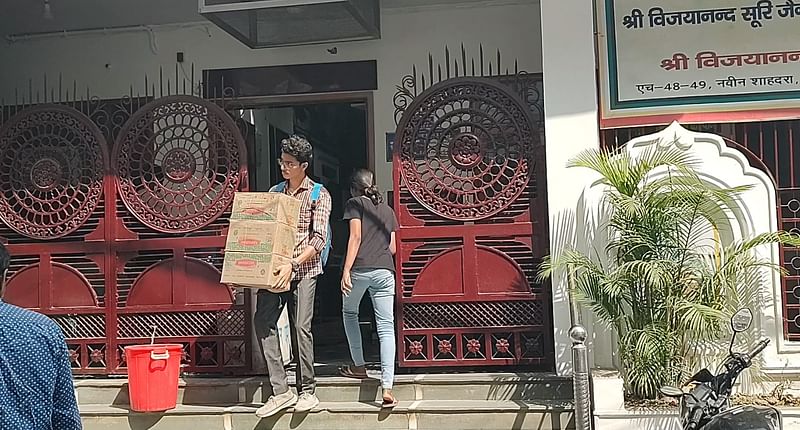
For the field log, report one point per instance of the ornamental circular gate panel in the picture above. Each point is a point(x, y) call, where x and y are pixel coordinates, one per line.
point(178, 163)
point(466, 148)
point(52, 165)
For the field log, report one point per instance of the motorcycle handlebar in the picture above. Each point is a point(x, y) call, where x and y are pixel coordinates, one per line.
point(694, 418)
point(759, 347)
point(735, 364)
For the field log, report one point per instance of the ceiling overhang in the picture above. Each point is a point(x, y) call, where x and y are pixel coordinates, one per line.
point(272, 23)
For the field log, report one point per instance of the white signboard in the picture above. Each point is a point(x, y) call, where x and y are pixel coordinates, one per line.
point(662, 60)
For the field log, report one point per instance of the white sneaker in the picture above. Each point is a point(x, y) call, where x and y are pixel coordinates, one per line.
point(276, 404)
point(307, 402)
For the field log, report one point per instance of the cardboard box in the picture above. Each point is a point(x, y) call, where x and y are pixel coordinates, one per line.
point(251, 269)
point(266, 207)
point(260, 236)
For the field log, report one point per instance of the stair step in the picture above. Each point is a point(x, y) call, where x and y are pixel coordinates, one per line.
point(457, 387)
point(419, 415)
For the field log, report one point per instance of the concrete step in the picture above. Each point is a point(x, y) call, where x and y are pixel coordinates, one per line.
point(408, 415)
point(441, 387)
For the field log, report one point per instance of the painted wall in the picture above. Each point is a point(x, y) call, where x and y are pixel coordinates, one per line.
point(571, 126)
point(568, 53)
point(408, 35)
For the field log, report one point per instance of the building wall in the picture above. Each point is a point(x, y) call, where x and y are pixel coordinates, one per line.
point(571, 126)
point(408, 35)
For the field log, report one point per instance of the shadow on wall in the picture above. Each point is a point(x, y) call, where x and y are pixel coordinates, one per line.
point(562, 236)
point(582, 230)
point(525, 387)
point(543, 400)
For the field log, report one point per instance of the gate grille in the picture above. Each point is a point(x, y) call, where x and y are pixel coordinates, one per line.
point(88, 268)
point(467, 293)
point(81, 326)
point(134, 268)
point(87, 275)
point(472, 315)
point(182, 324)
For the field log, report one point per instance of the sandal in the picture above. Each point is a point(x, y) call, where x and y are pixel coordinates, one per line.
point(348, 372)
point(389, 401)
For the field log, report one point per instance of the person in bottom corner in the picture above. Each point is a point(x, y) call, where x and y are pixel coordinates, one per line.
point(36, 390)
point(298, 282)
point(369, 266)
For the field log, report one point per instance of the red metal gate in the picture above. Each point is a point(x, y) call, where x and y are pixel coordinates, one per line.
point(467, 166)
point(770, 147)
point(116, 242)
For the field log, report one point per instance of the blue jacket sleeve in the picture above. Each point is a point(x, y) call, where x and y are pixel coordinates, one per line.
point(65, 407)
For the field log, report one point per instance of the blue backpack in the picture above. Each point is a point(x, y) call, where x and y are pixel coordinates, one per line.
point(316, 190)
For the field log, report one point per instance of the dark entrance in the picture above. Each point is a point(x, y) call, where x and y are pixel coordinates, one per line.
point(338, 129)
point(331, 104)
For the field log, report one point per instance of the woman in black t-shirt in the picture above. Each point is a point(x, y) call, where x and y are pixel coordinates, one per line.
point(369, 266)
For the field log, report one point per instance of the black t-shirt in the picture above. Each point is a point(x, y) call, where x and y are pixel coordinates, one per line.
point(377, 224)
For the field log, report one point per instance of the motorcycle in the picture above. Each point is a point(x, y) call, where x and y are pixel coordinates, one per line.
point(706, 406)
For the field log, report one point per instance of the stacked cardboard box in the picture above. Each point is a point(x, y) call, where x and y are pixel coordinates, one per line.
point(261, 238)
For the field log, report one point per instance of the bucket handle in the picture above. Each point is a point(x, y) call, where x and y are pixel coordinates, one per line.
point(159, 355)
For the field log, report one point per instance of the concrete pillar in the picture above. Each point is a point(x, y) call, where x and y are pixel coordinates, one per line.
point(571, 124)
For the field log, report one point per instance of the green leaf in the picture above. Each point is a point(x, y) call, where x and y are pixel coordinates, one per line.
point(664, 283)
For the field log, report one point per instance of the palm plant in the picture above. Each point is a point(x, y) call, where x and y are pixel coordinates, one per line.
point(661, 284)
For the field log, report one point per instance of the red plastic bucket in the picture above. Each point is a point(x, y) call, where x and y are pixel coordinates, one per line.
point(153, 372)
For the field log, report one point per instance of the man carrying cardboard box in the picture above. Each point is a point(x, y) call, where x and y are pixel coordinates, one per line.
point(295, 284)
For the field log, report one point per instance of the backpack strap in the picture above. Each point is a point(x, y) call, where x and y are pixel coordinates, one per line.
point(280, 187)
point(316, 190)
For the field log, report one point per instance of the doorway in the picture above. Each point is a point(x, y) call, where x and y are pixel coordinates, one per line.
point(339, 126)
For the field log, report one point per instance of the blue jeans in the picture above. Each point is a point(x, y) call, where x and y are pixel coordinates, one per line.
point(380, 284)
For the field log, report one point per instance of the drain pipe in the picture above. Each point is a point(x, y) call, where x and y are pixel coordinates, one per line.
point(580, 365)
